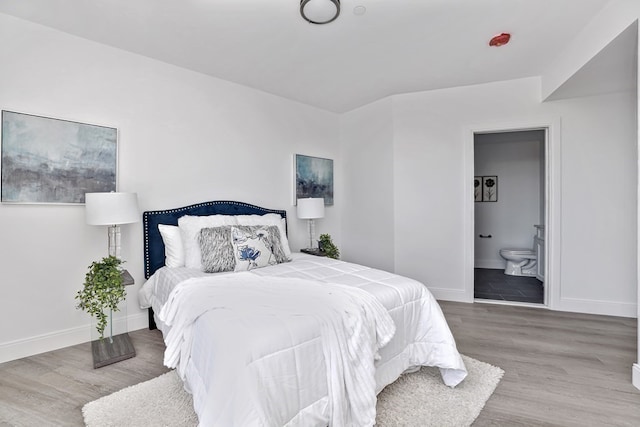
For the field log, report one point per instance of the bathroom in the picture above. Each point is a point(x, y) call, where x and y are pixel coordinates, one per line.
point(509, 216)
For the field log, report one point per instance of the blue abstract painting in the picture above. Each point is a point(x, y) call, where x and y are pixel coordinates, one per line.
point(314, 178)
point(47, 160)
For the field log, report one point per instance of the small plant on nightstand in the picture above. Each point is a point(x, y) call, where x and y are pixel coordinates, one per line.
point(103, 290)
point(327, 246)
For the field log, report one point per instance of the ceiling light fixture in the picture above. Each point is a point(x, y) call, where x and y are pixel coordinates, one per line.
point(500, 39)
point(320, 11)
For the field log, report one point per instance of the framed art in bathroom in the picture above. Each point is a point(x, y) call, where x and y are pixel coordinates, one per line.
point(48, 160)
point(477, 189)
point(489, 188)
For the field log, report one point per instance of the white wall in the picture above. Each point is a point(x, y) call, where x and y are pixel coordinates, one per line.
point(615, 18)
point(598, 245)
point(636, 366)
point(599, 203)
point(612, 20)
point(514, 157)
point(211, 139)
point(366, 136)
point(183, 138)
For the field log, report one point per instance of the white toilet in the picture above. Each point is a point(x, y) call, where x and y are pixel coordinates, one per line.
point(520, 262)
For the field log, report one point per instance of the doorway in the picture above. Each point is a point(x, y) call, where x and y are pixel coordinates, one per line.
point(510, 213)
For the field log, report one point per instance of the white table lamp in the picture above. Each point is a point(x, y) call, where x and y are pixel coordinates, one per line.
point(311, 208)
point(112, 209)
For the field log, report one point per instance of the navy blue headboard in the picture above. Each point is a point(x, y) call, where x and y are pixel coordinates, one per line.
point(153, 244)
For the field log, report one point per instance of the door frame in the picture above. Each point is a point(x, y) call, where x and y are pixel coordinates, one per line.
point(553, 205)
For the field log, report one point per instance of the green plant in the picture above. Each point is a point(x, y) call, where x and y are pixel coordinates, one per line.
point(327, 246)
point(103, 290)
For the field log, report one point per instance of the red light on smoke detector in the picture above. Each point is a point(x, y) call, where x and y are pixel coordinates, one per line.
point(500, 39)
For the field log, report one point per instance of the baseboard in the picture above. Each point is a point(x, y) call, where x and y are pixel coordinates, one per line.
point(450, 295)
point(606, 308)
point(59, 339)
point(489, 263)
point(138, 321)
point(635, 375)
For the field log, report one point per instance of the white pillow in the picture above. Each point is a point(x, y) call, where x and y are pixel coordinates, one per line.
point(250, 249)
point(269, 219)
point(190, 227)
point(173, 249)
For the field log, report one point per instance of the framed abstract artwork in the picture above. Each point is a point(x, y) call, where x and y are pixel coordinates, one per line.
point(47, 160)
point(313, 178)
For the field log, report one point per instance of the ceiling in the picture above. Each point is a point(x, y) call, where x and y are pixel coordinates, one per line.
point(396, 46)
point(613, 69)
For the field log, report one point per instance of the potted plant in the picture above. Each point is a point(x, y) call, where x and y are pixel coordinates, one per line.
point(102, 292)
point(328, 247)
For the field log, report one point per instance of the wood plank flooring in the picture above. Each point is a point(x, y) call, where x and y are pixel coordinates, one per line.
point(50, 389)
point(561, 369)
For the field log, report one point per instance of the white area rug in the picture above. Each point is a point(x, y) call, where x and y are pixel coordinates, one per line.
point(417, 399)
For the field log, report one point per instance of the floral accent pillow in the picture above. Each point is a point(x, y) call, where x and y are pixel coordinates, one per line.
point(252, 247)
point(218, 254)
point(266, 221)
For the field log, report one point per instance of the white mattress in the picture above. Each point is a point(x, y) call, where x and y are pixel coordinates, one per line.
point(290, 386)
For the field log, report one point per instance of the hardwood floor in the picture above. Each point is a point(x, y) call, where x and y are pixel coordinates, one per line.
point(561, 369)
point(51, 388)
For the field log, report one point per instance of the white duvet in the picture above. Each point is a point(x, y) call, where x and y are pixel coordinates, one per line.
point(305, 343)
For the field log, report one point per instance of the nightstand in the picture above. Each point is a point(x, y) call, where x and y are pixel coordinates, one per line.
point(315, 252)
point(114, 348)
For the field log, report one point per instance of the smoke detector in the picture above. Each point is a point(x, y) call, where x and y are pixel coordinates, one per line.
point(500, 39)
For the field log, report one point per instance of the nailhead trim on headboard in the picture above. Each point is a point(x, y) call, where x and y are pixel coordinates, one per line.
point(221, 207)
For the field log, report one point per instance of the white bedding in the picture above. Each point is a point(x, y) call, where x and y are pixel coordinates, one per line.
point(250, 366)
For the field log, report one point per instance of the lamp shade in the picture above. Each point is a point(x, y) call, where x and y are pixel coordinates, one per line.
point(311, 208)
point(111, 208)
point(320, 11)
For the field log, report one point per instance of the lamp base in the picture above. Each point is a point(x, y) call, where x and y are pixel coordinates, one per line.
point(312, 231)
point(114, 241)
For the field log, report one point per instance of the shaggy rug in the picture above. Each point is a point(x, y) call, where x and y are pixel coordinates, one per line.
point(416, 399)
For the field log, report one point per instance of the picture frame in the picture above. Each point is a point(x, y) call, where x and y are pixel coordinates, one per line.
point(313, 178)
point(489, 188)
point(477, 189)
point(56, 161)
point(485, 188)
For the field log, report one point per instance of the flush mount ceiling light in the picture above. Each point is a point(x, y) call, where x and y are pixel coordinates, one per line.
point(320, 11)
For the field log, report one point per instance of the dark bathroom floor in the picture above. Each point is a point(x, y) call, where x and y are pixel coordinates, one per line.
point(495, 285)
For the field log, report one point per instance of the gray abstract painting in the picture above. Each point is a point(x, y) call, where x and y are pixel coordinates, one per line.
point(314, 178)
point(47, 160)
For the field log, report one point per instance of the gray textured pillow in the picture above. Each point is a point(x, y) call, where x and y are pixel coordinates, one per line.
point(273, 240)
point(217, 249)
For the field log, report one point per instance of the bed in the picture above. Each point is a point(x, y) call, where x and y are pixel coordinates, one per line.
point(300, 341)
